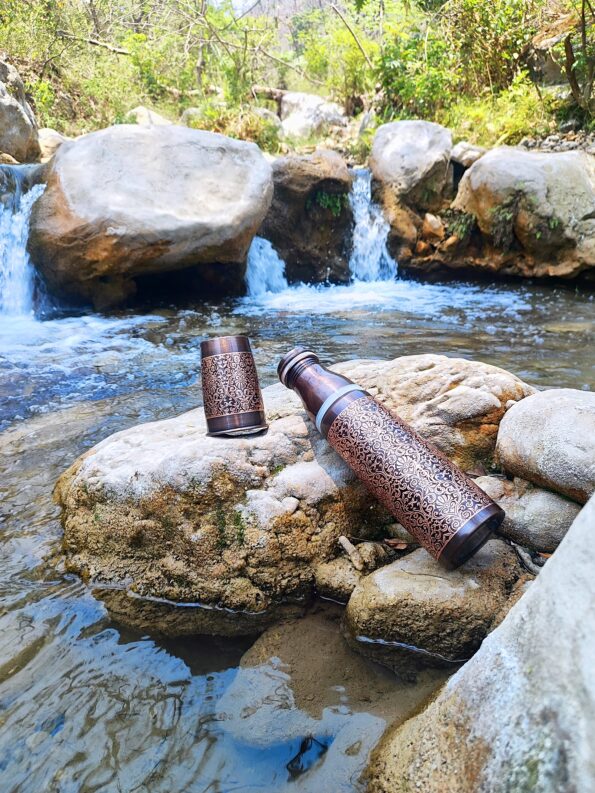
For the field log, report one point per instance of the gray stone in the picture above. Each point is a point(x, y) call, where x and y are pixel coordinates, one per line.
point(411, 160)
point(414, 608)
point(549, 439)
point(465, 153)
point(132, 200)
point(145, 116)
point(519, 716)
point(535, 518)
point(49, 142)
point(303, 115)
point(18, 130)
point(546, 200)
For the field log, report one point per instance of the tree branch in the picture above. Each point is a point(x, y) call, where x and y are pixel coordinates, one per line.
point(95, 42)
point(353, 34)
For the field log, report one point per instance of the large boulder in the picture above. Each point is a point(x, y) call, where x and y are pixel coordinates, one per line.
point(162, 510)
point(535, 518)
point(130, 201)
point(538, 206)
point(519, 716)
point(410, 162)
point(18, 130)
point(304, 115)
point(412, 609)
point(550, 440)
point(310, 219)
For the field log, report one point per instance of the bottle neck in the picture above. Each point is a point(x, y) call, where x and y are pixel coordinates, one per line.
point(315, 384)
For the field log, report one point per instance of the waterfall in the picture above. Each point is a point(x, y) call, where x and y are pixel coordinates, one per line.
point(370, 259)
point(265, 271)
point(17, 276)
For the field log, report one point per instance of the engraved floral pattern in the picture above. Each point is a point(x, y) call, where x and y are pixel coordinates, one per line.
point(230, 385)
point(427, 494)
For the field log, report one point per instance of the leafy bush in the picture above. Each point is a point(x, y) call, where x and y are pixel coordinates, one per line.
point(505, 118)
point(242, 123)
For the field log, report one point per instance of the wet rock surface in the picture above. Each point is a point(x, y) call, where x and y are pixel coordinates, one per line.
point(519, 715)
point(164, 511)
point(171, 198)
point(412, 608)
point(310, 219)
point(550, 441)
point(535, 518)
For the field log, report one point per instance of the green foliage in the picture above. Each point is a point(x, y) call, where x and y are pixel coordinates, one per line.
point(334, 202)
point(462, 224)
point(466, 48)
point(509, 116)
point(242, 122)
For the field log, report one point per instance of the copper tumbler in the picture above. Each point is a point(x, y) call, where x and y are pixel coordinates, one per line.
point(433, 499)
point(232, 397)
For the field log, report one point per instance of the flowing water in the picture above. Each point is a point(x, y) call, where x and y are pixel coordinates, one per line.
point(86, 705)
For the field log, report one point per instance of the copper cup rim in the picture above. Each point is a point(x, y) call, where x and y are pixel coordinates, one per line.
point(211, 346)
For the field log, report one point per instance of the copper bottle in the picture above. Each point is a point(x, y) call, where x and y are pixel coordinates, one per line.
point(232, 398)
point(434, 500)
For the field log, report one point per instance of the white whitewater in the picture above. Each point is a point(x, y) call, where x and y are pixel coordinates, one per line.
point(375, 284)
point(370, 259)
point(17, 276)
point(265, 271)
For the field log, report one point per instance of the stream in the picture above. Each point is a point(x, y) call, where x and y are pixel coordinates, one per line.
point(87, 705)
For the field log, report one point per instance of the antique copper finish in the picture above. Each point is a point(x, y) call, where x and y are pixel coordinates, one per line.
point(433, 499)
point(232, 398)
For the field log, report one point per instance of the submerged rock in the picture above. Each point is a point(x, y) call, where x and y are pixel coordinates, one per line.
point(310, 219)
point(550, 440)
point(164, 511)
point(413, 608)
point(519, 716)
point(535, 518)
point(130, 201)
point(300, 681)
point(18, 130)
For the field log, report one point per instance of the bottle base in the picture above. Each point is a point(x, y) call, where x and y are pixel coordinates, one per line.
point(237, 424)
point(471, 536)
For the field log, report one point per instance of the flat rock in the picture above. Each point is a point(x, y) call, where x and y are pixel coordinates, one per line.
point(550, 440)
point(162, 510)
point(519, 716)
point(413, 608)
point(133, 200)
point(535, 518)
